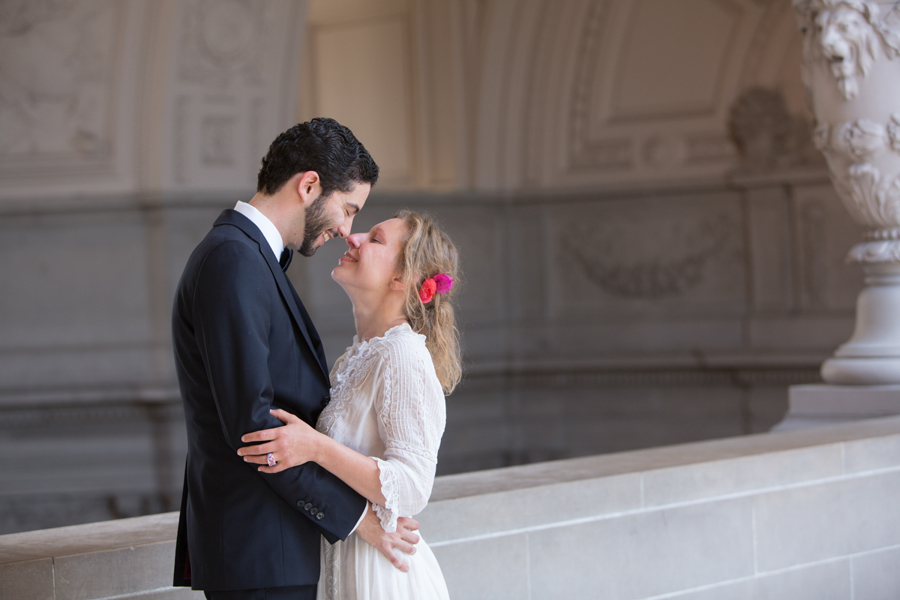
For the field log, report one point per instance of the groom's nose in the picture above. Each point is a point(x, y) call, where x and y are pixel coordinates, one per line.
point(345, 227)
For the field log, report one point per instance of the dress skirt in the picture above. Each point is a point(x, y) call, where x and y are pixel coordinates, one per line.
point(353, 569)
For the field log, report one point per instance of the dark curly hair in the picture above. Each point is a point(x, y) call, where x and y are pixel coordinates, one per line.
point(322, 145)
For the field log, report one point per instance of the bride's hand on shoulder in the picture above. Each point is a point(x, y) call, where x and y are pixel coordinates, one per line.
point(281, 448)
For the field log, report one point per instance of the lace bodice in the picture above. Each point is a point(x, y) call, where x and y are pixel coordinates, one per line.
point(387, 403)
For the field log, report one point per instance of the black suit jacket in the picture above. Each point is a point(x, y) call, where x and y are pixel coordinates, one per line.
point(243, 345)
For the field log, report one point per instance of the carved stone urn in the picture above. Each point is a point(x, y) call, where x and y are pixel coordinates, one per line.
point(851, 70)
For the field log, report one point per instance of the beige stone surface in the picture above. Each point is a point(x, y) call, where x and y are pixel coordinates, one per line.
point(83, 539)
point(679, 456)
point(645, 554)
point(488, 568)
point(788, 515)
point(118, 572)
point(875, 575)
point(27, 580)
point(828, 581)
point(826, 521)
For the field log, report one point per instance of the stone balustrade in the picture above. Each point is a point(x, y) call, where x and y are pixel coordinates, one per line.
point(796, 515)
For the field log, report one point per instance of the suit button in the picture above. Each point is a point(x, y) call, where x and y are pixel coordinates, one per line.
point(320, 516)
point(325, 401)
point(300, 503)
point(313, 510)
point(307, 507)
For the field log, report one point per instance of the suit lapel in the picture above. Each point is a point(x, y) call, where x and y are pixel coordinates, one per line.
point(313, 334)
point(232, 217)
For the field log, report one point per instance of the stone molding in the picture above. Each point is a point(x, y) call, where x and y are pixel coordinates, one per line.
point(585, 153)
point(125, 412)
point(122, 409)
point(882, 246)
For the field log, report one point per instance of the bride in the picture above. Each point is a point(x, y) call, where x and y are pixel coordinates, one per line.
point(381, 431)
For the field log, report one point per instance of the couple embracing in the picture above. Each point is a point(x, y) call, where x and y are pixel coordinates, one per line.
point(295, 476)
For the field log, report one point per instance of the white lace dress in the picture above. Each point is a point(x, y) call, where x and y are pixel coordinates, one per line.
point(387, 403)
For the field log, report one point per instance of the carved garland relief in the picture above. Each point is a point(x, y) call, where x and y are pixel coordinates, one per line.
point(688, 249)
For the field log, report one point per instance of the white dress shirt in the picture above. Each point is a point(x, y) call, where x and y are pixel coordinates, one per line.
point(269, 231)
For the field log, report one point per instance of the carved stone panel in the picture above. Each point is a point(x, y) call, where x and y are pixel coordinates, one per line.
point(222, 41)
point(231, 88)
point(58, 63)
point(637, 257)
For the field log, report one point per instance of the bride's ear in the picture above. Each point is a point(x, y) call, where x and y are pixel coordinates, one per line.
point(397, 284)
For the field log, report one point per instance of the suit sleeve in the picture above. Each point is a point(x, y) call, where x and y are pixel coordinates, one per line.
point(232, 307)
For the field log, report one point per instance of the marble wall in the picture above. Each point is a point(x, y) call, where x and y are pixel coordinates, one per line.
point(652, 254)
point(576, 341)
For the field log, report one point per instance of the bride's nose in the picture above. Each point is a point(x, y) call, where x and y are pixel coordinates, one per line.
point(353, 240)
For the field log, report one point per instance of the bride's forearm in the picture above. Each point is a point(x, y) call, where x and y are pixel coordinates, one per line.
point(356, 470)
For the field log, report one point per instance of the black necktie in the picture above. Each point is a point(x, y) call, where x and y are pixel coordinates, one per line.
point(285, 260)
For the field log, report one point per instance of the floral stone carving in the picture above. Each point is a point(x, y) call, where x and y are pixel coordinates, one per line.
point(849, 35)
point(864, 159)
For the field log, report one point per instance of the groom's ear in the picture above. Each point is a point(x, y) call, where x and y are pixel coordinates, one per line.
point(309, 187)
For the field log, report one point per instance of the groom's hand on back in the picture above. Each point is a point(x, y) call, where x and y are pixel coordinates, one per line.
point(404, 539)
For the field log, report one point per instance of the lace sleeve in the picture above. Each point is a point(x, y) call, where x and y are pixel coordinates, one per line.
point(412, 416)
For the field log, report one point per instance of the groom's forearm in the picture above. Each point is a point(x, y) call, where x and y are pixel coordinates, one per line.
point(331, 505)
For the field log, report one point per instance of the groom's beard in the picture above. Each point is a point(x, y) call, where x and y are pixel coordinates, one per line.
point(316, 224)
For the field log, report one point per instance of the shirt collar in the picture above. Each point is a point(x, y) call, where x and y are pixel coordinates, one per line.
point(268, 229)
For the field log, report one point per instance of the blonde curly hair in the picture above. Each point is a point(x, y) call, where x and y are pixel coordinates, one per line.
point(427, 251)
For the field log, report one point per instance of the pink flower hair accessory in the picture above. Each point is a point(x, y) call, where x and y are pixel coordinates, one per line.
point(439, 284)
point(444, 283)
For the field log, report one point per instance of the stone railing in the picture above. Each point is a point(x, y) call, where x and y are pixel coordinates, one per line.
point(796, 515)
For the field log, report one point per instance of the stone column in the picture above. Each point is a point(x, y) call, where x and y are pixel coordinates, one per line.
point(851, 70)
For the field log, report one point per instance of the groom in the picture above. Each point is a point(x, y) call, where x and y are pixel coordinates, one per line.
point(244, 344)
